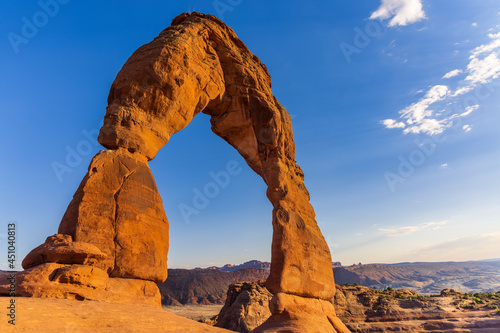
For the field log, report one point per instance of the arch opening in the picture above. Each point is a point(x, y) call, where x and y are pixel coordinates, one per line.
point(231, 223)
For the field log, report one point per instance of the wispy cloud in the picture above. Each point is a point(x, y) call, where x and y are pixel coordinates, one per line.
point(401, 12)
point(444, 166)
point(453, 73)
point(391, 123)
point(429, 115)
point(394, 232)
point(481, 246)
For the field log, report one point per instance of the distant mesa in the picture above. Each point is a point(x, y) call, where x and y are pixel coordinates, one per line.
point(198, 64)
point(209, 286)
point(266, 266)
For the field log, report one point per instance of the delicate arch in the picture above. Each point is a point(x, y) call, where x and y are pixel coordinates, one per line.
point(199, 65)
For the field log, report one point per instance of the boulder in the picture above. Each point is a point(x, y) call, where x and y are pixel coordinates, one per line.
point(246, 307)
point(61, 249)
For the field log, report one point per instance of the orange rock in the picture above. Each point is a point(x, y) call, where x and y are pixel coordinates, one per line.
point(246, 307)
point(199, 65)
point(61, 249)
point(62, 315)
point(297, 314)
point(82, 275)
point(118, 209)
point(79, 282)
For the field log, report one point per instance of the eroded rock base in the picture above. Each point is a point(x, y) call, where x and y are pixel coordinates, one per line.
point(79, 282)
point(295, 314)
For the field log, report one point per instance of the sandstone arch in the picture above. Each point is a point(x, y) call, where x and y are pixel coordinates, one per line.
point(199, 65)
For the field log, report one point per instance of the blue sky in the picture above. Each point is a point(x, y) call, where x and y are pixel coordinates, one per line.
point(394, 103)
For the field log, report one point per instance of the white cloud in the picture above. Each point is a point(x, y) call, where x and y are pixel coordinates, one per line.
point(416, 112)
point(429, 115)
point(444, 166)
point(452, 73)
point(483, 70)
point(495, 43)
point(394, 232)
point(427, 126)
point(391, 123)
point(403, 12)
point(474, 24)
point(462, 90)
point(469, 110)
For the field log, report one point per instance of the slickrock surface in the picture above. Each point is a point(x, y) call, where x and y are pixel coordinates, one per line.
point(47, 315)
point(79, 282)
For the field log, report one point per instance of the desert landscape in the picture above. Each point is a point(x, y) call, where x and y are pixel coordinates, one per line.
point(201, 295)
point(403, 235)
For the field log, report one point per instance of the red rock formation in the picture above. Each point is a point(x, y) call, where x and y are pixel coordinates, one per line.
point(199, 65)
point(246, 307)
point(61, 249)
point(118, 209)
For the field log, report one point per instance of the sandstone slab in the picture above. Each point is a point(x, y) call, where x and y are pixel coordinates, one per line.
point(62, 315)
point(79, 282)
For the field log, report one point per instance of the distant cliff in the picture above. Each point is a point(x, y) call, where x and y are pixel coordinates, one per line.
point(210, 285)
point(203, 286)
point(249, 264)
point(471, 276)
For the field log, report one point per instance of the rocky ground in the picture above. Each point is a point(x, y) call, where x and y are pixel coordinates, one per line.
point(371, 310)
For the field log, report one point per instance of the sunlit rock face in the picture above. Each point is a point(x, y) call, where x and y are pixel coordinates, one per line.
point(198, 64)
